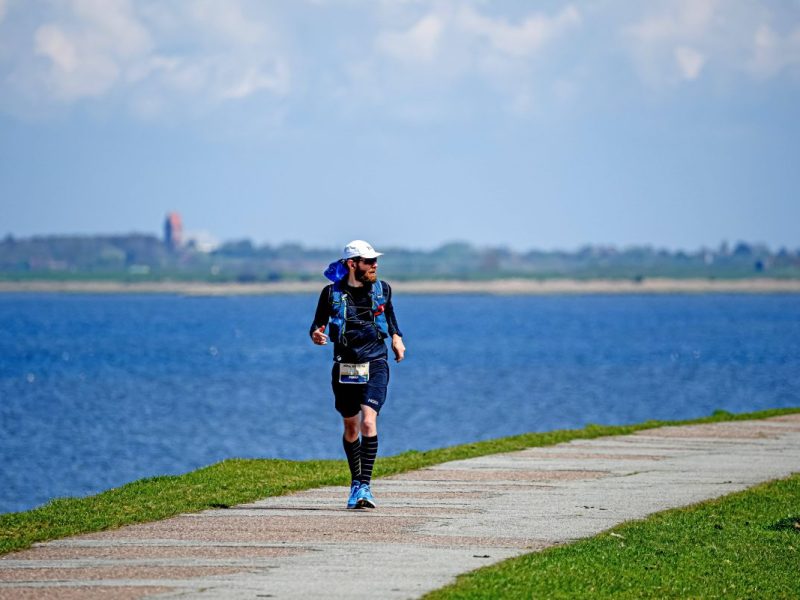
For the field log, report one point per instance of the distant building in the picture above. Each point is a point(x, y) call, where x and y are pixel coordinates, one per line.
point(173, 231)
point(202, 241)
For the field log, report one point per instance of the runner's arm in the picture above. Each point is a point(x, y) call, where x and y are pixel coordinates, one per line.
point(388, 311)
point(322, 313)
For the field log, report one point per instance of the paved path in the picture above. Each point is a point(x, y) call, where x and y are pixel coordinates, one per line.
point(431, 525)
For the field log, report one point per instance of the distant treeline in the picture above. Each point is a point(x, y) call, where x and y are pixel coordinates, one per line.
point(146, 257)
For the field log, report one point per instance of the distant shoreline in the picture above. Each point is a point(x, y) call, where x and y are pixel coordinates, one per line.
point(653, 285)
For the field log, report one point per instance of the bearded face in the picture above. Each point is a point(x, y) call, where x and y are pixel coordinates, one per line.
point(365, 273)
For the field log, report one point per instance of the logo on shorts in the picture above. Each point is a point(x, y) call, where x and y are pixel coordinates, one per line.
point(371, 401)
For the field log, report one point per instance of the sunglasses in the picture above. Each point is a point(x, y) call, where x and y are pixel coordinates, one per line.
point(368, 261)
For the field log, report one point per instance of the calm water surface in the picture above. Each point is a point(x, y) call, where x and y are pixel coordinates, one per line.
point(96, 391)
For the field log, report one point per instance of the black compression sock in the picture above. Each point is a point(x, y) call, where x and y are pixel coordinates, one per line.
point(369, 450)
point(353, 452)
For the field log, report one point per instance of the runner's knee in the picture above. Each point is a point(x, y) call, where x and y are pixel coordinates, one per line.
point(351, 427)
point(369, 427)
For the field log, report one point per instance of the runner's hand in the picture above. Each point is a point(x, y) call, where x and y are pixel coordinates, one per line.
point(319, 337)
point(398, 347)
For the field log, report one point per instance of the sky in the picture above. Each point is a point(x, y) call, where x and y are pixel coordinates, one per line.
point(545, 125)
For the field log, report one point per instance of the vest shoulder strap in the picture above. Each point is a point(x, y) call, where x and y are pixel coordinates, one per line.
point(381, 292)
point(334, 293)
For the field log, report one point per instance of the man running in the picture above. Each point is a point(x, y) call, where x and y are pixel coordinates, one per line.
point(359, 309)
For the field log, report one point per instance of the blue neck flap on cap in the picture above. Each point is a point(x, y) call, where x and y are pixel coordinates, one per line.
point(336, 271)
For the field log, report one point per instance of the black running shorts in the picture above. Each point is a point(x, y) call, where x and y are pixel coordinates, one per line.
point(350, 396)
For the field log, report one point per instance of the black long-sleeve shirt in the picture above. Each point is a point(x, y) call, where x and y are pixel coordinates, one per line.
point(364, 340)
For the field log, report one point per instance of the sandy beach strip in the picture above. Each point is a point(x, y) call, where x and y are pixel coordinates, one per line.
point(494, 287)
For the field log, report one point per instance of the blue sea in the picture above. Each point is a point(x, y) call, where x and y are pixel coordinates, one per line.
point(99, 390)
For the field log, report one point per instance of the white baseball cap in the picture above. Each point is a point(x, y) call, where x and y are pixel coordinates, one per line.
point(360, 248)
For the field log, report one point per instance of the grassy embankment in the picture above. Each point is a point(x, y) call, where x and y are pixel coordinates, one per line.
point(745, 545)
point(236, 481)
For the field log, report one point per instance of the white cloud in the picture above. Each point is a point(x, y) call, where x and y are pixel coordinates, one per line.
point(465, 27)
point(773, 52)
point(113, 26)
point(686, 18)
point(680, 41)
point(423, 60)
point(690, 61)
point(451, 43)
point(419, 43)
point(87, 53)
point(75, 71)
point(159, 55)
point(228, 21)
point(521, 40)
point(256, 79)
point(509, 56)
point(665, 43)
point(53, 43)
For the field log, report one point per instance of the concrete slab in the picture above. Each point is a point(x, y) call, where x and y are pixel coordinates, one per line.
point(430, 526)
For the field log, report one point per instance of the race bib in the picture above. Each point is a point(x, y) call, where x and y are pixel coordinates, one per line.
point(353, 372)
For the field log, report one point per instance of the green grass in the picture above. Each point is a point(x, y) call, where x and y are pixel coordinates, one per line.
point(236, 481)
point(745, 545)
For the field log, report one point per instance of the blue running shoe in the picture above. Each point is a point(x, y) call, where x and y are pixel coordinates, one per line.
point(365, 499)
point(352, 501)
